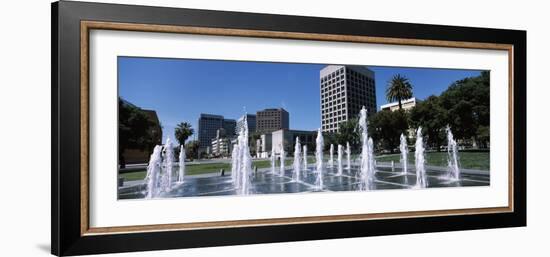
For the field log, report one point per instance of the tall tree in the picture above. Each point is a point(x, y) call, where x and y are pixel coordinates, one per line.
point(386, 126)
point(348, 131)
point(134, 130)
point(468, 103)
point(399, 88)
point(183, 132)
point(192, 149)
point(432, 117)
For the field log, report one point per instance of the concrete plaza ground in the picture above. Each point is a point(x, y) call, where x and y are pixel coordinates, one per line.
point(264, 181)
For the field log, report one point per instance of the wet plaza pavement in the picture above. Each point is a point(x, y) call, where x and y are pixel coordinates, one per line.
point(264, 182)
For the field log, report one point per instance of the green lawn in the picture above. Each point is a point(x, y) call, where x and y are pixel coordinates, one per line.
point(197, 169)
point(467, 160)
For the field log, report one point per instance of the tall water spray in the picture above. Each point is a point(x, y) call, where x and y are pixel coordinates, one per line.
point(367, 161)
point(348, 153)
point(241, 167)
point(282, 167)
point(340, 150)
point(235, 164)
point(168, 164)
point(319, 159)
point(153, 172)
point(297, 159)
point(246, 162)
point(404, 154)
point(421, 179)
point(181, 164)
point(331, 160)
point(372, 161)
point(273, 159)
point(305, 157)
point(452, 156)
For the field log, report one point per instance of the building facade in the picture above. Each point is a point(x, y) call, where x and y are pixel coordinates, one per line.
point(251, 122)
point(209, 124)
point(230, 126)
point(405, 105)
point(344, 91)
point(272, 119)
point(155, 131)
point(221, 144)
point(286, 139)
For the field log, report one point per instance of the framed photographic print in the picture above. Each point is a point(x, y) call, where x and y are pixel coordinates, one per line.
point(178, 128)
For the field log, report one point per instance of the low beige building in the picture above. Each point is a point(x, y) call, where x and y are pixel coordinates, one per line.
point(405, 104)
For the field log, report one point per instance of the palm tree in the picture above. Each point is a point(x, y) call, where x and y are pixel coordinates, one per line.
point(183, 131)
point(399, 88)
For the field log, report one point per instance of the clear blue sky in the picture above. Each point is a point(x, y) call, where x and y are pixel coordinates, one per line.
point(180, 89)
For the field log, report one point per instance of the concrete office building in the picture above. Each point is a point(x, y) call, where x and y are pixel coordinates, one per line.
point(230, 126)
point(221, 144)
point(287, 138)
point(208, 127)
point(138, 155)
point(406, 105)
point(344, 91)
point(250, 120)
point(272, 119)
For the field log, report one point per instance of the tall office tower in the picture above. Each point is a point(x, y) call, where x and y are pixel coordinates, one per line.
point(229, 125)
point(344, 91)
point(208, 127)
point(250, 120)
point(272, 119)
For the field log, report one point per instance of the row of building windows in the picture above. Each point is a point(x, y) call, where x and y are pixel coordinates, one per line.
point(340, 97)
point(335, 120)
point(336, 81)
point(333, 108)
point(333, 75)
point(334, 113)
point(332, 90)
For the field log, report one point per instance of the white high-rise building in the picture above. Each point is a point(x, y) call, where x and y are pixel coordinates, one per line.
point(344, 91)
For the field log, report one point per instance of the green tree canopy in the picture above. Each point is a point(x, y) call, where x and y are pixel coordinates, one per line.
point(385, 127)
point(192, 149)
point(348, 131)
point(183, 132)
point(464, 107)
point(399, 88)
point(134, 130)
point(467, 102)
point(429, 115)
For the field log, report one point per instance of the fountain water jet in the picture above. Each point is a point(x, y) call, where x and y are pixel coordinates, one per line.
point(153, 173)
point(348, 153)
point(331, 160)
point(340, 150)
point(282, 167)
point(168, 164)
point(372, 161)
point(319, 159)
point(181, 163)
point(305, 157)
point(241, 167)
point(452, 156)
point(421, 179)
point(367, 158)
point(404, 154)
point(246, 165)
point(297, 158)
point(235, 165)
point(273, 160)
